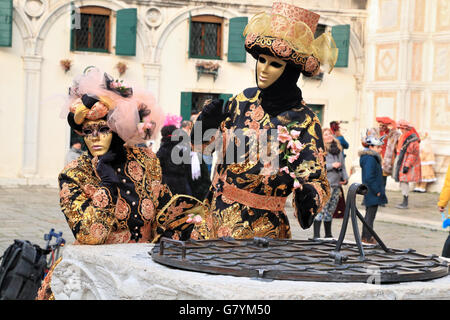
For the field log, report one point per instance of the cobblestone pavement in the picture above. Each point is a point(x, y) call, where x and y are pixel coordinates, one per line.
point(28, 213)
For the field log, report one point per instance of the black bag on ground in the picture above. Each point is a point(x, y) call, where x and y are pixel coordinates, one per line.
point(22, 270)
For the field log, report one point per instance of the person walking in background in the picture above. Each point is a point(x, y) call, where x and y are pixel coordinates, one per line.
point(372, 176)
point(426, 163)
point(337, 176)
point(74, 152)
point(444, 198)
point(198, 178)
point(336, 129)
point(171, 154)
point(407, 163)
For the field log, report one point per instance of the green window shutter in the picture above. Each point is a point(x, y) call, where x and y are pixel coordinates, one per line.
point(341, 35)
point(236, 47)
point(6, 17)
point(126, 32)
point(186, 105)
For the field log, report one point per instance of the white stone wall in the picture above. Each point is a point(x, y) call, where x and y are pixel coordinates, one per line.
point(408, 70)
point(36, 139)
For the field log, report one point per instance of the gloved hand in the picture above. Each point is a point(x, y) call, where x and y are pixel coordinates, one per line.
point(89, 100)
point(213, 114)
point(106, 171)
point(405, 169)
point(306, 205)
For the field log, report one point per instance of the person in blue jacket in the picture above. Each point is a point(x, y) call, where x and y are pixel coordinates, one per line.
point(336, 129)
point(372, 176)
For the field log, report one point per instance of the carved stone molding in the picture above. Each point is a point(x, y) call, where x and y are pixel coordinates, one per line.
point(153, 17)
point(35, 8)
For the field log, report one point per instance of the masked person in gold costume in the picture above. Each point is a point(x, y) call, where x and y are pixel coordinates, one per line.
point(250, 186)
point(113, 193)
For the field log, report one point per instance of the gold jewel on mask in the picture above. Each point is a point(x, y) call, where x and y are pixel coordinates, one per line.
point(268, 70)
point(97, 136)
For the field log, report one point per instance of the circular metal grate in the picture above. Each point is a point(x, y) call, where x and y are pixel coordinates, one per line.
point(303, 260)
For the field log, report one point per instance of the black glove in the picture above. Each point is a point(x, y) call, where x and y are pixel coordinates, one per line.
point(106, 171)
point(306, 206)
point(212, 114)
point(89, 100)
point(405, 169)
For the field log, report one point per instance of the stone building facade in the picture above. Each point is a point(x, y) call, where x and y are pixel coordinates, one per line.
point(395, 55)
point(407, 72)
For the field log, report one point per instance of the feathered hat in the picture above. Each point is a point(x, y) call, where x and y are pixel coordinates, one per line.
point(130, 112)
point(371, 140)
point(287, 32)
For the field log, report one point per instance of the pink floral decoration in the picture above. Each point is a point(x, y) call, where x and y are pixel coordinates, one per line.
point(283, 134)
point(194, 218)
point(281, 48)
point(100, 198)
point(148, 209)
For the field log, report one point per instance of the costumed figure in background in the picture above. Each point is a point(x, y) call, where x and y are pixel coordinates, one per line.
point(372, 176)
point(407, 163)
point(113, 193)
point(174, 157)
point(337, 176)
point(427, 162)
point(387, 128)
point(249, 191)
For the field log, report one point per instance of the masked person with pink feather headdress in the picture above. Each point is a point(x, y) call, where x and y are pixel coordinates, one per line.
point(114, 193)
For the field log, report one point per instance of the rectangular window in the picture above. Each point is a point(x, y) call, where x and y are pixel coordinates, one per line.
point(94, 31)
point(205, 38)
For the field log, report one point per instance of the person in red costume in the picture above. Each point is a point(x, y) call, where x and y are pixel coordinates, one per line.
point(407, 166)
point(388, 128)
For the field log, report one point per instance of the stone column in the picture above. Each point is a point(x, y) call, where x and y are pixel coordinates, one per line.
point(32, 67)
point(152, 75)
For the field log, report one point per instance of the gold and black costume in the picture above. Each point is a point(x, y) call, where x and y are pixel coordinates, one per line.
point(249, 189)
point(247, 198)
point(98, 214)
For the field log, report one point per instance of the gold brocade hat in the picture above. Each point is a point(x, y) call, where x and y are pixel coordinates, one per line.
point(288, 33)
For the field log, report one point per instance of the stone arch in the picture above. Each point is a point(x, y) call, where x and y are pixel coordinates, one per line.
point(114, 5)
point(181, 17)
point(24, 26)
